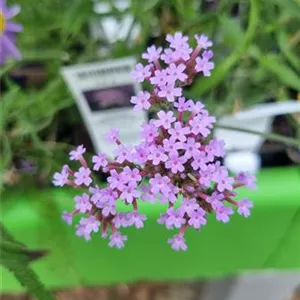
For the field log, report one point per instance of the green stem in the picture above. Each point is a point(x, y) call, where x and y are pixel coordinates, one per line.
point(270, 136)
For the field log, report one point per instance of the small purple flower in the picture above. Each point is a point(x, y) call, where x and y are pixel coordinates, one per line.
point(170, 92)
point(215, 200)
point(123, 153)
point(83, 176)
point(205, 177)
point(131, 175)
point(197, 108)
point(183, 105)
point(141, 72)
point(175, 162)
point(178, 40)
point(99, 161)
point(112, 136)
point(115, 180)
point(117, 240)
point(83, 203)
point(203, 41)
point(177, 243)
point(149, 132)
point(141, 154)
point(200, 161)
point(171, 145)
point(175, 218)
point(165, 119)
point(202, 125)
point(189, 206)
point(244, 206)
point(67, 217)
point(182, 53)
point(77, 154)
point(120, 220)
point(136, 219)
point(152, 54)
point(167, 56)
point(141, 101)
point(246, 179)
point(80, 231)
point(97, 194)
point(215, 148)
point(204, 65)
point(60, 179)
point(157, 155)
point(176, 72)
point(178, 132)
point(224, 183)
point(160, 184)
point(197, 218)
point(91, 224)
point(130, 193)
point(147, 195)
point(161, 78)
point(109, 209)
point(223, 213)
point(191, 148)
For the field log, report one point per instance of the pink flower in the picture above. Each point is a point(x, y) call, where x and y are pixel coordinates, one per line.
point(141, 101)
point(129, 193)
point(203, 41)
point(161, 78)
point(177, 243)
point(183, 105)
point(83, 203)
point(152, 54)
point(197, 218)
point(165, 119)
point(99, 161)
point(223, 213)
point(157, 155)
point(117, 240)
point(175, 162)
point(112, 136)
point(77, 154)
point(204, 65)
point(176, 72)
point(244, 206)
point(82, 176)
point(141, 72)
point(60, 179)
point(170, 92)
point(178, 40)
point(246, 179)
point(179, 133)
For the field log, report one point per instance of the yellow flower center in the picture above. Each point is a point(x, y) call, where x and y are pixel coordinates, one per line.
point(2, 23)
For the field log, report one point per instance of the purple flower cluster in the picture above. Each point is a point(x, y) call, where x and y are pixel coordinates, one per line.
point(177, 163)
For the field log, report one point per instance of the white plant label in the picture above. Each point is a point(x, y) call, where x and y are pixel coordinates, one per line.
point(102, 92)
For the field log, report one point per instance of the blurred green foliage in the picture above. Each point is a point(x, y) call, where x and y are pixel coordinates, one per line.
point(257, 56)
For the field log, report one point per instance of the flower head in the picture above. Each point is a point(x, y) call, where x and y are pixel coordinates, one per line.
point(8, 29)
point(177, 163)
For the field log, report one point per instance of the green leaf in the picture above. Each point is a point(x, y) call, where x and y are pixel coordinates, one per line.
point(284, 45)
point(291, 6)
point(232, 31)
point(15, 257)
point(284, 73)
point(204, 84)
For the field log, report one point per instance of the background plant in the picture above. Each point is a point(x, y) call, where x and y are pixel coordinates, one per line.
point(257, 46)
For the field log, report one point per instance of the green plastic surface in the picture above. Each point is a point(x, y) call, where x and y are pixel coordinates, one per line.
point(270, 238)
